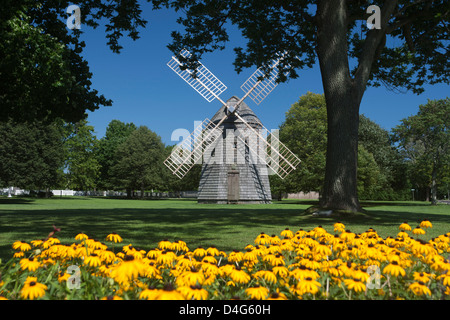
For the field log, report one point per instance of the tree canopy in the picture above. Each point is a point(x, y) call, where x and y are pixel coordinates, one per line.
point(43, 75)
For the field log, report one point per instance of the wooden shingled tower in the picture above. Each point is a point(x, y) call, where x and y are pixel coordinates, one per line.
point(236, 151)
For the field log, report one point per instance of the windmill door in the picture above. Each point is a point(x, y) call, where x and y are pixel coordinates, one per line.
point(233, 186)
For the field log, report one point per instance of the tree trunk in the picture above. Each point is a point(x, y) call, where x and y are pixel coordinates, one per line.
point(434, 185)
point(342, 99)
point(343, 95)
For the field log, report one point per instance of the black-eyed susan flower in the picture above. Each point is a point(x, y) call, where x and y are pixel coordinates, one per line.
point(149, 293)
point(165, 245)
point(339, 227)
point(191, 278)
point(81, 236)
point(404, 226)
point(419, 289)
point(166, 258)
point(426, 224)
point(33, 289)
point(21, 245)
point(93, 260)
point(235, 256)
point(277, 296)
point(195, 292)
point(286, 233)
point(169, 293)
point(200, 252)
point(29, 264)
point(267, 275)
point(257, 292)
point(239, 276)
point(355, 284)
point(114, 237)
point(422, 277)
point(307, 285)
point(19, 254)
point(418, 231)
point(127, 270)
point(394, 269)
point(213, 251)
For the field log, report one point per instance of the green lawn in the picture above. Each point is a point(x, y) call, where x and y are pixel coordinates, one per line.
point(144, 223)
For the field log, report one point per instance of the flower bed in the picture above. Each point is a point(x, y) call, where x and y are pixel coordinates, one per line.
point(299, 264)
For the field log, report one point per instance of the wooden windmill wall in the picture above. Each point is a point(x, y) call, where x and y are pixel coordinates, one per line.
point(231, 180)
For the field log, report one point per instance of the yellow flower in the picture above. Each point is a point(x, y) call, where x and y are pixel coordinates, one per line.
point(113, 237)
point(267, 275)
point(426, 224)
point(239, 276)
point(421, 277)
point(194, 292)
point(417, 230)
point(81, 237)
point(445, 279)
point(419, 289)
point(191, 278)
point(212, 250)
point(29, 264)
point(169, 293)
point(129, 269)
point(200, 252)
point(21, 245)
point(287, 233)
point(150, 293)
point(277, 296)
point(33, 289)
point(355, 284)
point(165, 245)
point(394, 269)
point(257, 292)
point(93, 260)
point(166, 258)
point(339, 227)
point(307, 285)
point(235, 256)
point(19, 254)
point(405, 226)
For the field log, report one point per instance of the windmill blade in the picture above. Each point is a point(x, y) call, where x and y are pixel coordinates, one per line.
point(269, 150)
point(205, 82)
point(190, 151)
point(258, 86)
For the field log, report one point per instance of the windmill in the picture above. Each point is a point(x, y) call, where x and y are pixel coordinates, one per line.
point(236, 151)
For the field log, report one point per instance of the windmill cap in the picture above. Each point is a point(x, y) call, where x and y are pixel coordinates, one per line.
point(244, 111)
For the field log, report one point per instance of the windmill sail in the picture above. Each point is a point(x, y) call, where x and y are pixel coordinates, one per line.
point(205, 82)
point(190, 151)
point(270, 150)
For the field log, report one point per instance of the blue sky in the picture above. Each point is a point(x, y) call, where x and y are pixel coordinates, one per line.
point(146, 92)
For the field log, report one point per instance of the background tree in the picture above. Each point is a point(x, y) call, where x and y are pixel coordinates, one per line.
point(350, 57)
point(425, 138)
point(381, 173)
point(82, 166)
point(31, 155)
point(304, 131)
point(116, 133)
point(42, 72)
point(140, 161)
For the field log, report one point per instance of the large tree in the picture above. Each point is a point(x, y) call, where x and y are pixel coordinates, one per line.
point(31, 155)
point(139, 163)
point(350, 57)
point(116, 133)
point(82, 166)
point(425, 140)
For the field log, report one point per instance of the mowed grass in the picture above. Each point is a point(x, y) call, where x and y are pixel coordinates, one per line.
point(144, 223)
